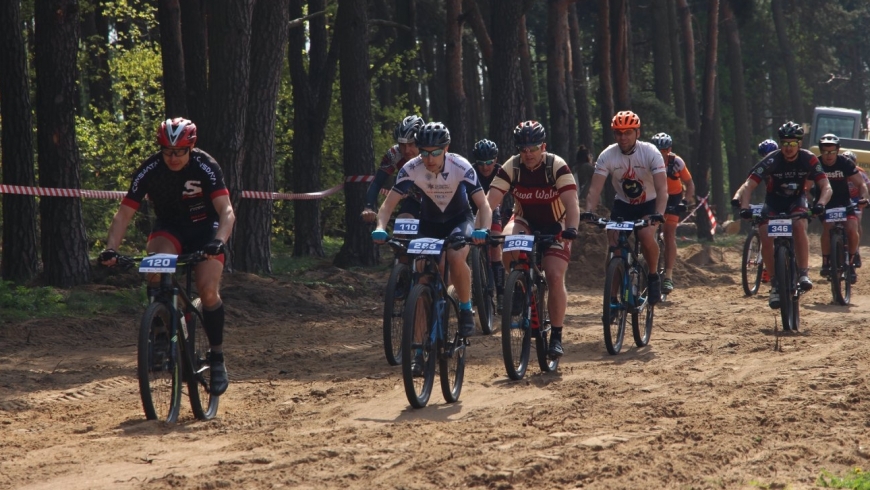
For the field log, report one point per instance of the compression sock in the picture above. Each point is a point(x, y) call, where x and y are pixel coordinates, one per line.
point(214, 324)
point(465, 305)
point(498, 274)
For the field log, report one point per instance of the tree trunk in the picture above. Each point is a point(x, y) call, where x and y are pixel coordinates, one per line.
point(708, 122)
point(19, 261)
point(661, 51)
point(406, 40)
point(64, 244)
point(456, 99)
point(229, 46)
point(95, 41)
point(471, 66)
point(194, 34)
point(621, 54)
point(717, 171)
point(529, 98)
point(581, 88)
point(505, 78)
point(605, 72)
point(254, 216)
point(738, 168)
point(356, 113)
point(796, 109)
point(693, 120)
point(676, 61)
point(174, 86)
point(557, 45)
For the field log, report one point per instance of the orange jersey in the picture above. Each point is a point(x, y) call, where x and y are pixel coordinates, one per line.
point(677, 174)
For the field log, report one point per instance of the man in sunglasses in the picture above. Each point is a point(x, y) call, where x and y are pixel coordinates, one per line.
point(545, 200)
point(194, 213)
point(785, 172)
point(638, 173)
point(485, 153)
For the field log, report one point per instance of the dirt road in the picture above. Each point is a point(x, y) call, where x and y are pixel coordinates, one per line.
point(719, 399)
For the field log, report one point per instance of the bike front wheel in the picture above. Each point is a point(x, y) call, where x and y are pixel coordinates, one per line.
point(542, 340)
point(642, 316)
point(482, 288)
point(203, 404)
point(841, 288)
point(394, 305)
point(515, 331)
point(159, 367)
point(752, 266)
point(418, 353)
point(451, 354)
point(615, 305)
point(785, 285)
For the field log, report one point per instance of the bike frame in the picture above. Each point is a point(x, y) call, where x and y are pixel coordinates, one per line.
point(431, 268)
point(534, 275)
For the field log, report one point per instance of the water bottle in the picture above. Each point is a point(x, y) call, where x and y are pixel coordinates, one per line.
point(633, 280)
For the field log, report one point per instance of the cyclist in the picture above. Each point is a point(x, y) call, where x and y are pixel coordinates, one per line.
point(640, 179)
point(767, 146)
point(841, 172)
point(855, 194)
point(678, 176)
point(447, 181)
point(485, 153)
point(785, 172)
point(393, 160)
point(545, 201)
point(194, 212)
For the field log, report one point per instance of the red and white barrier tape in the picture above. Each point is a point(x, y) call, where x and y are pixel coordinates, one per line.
point(710, 215)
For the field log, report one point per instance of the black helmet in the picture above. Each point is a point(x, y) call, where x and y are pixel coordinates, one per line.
point(791, 130)
point(663, 141)
point(830, 139)
point(406, 131)
point(433, 134)
point(485, 150)
point(529, 133)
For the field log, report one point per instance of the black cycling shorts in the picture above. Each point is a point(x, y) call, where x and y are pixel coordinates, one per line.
point(632, 212)
point(186, 240)
point(462, 224)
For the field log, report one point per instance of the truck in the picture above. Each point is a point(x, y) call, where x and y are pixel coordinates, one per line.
point(845, 123)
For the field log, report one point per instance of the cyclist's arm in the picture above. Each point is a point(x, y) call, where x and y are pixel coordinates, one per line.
point(387, 208)
point(745, 192)
point(484, 212)
point(119, 226)
point(660, 180)
point(226, 217)
point(595, 188)
point(572, 209)
point(858, 182)
point(825, 191)
point(494, 197)
point(690, 191)
point(374, 189)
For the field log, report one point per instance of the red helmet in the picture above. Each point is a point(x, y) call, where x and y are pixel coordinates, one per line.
point(625, 120)
point(177, 132)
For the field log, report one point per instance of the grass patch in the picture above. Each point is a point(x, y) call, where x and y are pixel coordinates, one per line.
point(855, 479)
point(20, 303)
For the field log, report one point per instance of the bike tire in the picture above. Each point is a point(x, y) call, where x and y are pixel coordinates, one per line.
point(839, 272)
point(515, 328)
point(159, 368)
point(785, 285)
point(752, 266)
point(482, 290)
point(542, 340)
point(451, 356)
point(395, 295)
point(645, 311)
point(614, 316)
point(202, 402)
point(418, 309)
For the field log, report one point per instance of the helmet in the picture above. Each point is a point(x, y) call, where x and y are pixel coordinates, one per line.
point(485, 150)
point(625, 120)
point(177, 132)
point(406, 131)
point(663, 141)
point(851, 156)
point(767, 146)
point(791, 130)
point(529, 133)
point(433, 134)
point(830, 139)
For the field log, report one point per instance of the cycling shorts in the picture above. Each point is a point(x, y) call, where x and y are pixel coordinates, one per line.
point(559, 249)
point(674, 200)
point(774, 205)
point(186, 239)
point(409, 205)
point(462, 224)
point(632, 212)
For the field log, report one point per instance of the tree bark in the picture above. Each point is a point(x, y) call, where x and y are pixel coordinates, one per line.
point(661, 51)
point(676, 60)
point(356, 113)
point(796, 109)
point(557, 45)
point(529, 96)
point(174, 86)
point(19, 261)
point(708, 121)
point(64, 244)
point(693, 120)
point(194, 35)
point(507, 108)
point(581, 87)
point(456, 99)
point(471, 66)
point(605, 72)
point(738, 169)
point(254, 216)
point(621, 55)
point(95, 39)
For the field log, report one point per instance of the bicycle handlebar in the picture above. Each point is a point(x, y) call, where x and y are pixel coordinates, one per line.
point(602, 222)
point(125, 262)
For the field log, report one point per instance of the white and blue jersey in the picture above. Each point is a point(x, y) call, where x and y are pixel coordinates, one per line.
point(445, 194)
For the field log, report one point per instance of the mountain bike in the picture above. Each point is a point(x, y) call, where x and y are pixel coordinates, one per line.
point(524, 315)
point(173, 347)
point(785, 268)
point(752, 267)
point(431, 325)
point(482, 287)
point(840, 259)
point(398, 286)
point(625, 287)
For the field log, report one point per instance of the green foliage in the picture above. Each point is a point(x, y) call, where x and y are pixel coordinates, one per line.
point(855, 479)
point(20, 303)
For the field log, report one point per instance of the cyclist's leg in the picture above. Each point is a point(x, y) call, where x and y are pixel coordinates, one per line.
point(515, 226)
point(852, 234)
point(495, 261)
point(460, 273)
point(555, 264)
point(670, 238)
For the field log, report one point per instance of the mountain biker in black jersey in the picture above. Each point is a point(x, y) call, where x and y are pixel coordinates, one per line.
point(785, 172)
point(393, 160)
point(194, 213)
point(447, 181)
point(485, 153)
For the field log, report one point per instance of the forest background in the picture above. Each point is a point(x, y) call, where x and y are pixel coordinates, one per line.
point(293, 96)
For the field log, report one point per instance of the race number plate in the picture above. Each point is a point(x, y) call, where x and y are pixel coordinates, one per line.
point(406, 226)
point(619, 225)
point(513, 243)
point(779, 227)
point(756, 209)
point(425, 246)
point(835, 214)
point(158, 263)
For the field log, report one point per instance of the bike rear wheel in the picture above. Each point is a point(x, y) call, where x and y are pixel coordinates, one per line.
point(451, 354)
point(752, 266)
point(542, 340)
point(394, 307)
point(482, 287)
point(418, 318)
point(203, 404)
point(515, 331)
point(644, 311)
point(615, 306)
point(785, 286)
point(841, 288)
point(159, 367)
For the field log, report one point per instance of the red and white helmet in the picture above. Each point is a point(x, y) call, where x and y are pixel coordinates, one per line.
point(177, 132)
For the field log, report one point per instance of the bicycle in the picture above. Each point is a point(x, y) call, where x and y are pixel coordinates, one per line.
point(752, 267)
point(398, 286)
point(625, 287)
point(524, 314)
point(785, 268)
point(173, 347)
point(840, 259)
point(431, 325)
point(482, 288)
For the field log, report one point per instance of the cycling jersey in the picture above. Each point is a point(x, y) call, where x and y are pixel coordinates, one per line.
point(632, 173)
point(536, 195)
point(392, 162)
point(485, 182)
point(854, 191)
point(445, 194)
point(181, 199)
point(785, 180)
point(838, 175)
point(677, 174)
